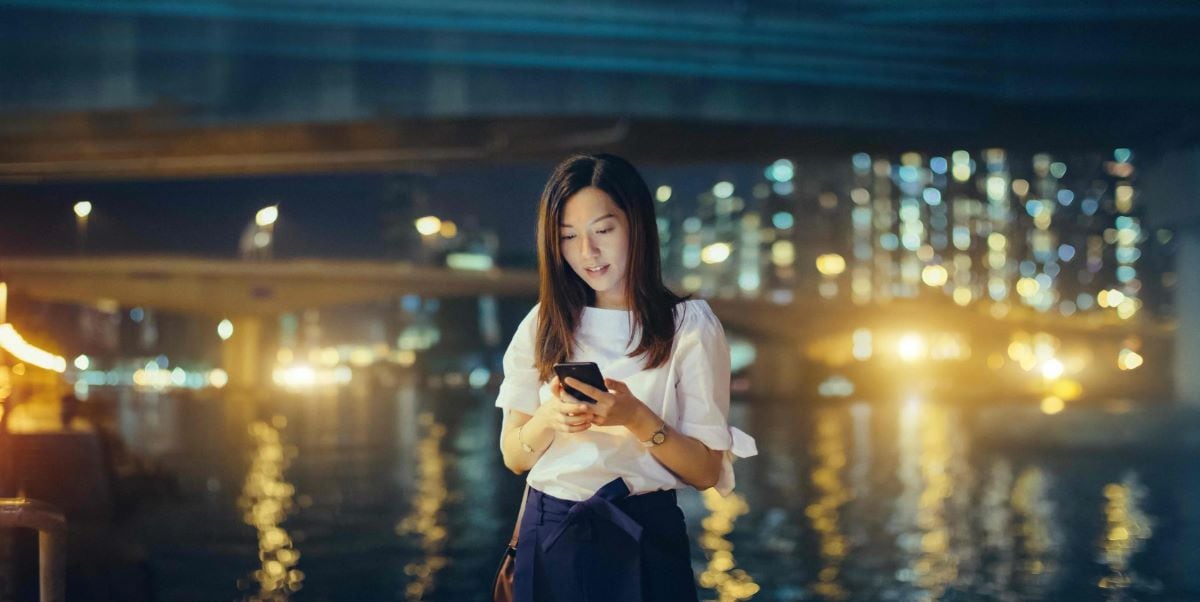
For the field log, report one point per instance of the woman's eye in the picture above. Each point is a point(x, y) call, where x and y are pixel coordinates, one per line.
point(568, 237)
point(604, 231)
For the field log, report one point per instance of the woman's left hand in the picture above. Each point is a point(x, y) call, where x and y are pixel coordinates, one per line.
point(614, 407)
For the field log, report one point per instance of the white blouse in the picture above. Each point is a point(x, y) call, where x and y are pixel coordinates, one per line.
point(690, 392)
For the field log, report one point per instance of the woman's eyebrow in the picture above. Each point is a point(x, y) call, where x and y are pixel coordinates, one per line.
point(605, 216)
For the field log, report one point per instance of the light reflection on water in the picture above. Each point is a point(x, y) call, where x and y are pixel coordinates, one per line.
point(830, 492)
point(1126, 530)
point(266, 502)
point(721, 574)
point(426, 521)
point(872, 501)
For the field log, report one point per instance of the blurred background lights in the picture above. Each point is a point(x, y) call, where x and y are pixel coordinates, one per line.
point(715, 253)
point(722, 190)
point(831, 264)
point(428, 225)
point(225, 330)
point(911, 347)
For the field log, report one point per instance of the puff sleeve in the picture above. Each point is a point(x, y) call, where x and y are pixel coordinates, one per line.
point(520, 388)
point(702, 392)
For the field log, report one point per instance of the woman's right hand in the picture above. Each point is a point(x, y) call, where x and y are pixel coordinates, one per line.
point(564, 413)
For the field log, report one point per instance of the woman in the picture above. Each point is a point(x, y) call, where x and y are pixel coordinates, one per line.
point(601, 521)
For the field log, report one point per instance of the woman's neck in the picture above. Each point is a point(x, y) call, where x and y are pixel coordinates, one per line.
point(603, 303)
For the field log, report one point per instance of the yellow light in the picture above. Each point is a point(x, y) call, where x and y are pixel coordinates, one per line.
point(449, 229)
point(1052, 405)
point(1052, 369)
point(297, 376)
point(1127, 307)
point(1066, 389)
point(1124, 198)
point(911, 347)
point(225, 330)
point(83, 209)
point(3, 302)
point(783, 253)
point(831, 264)
point(1129, 359)
point(715, 253)
point(663, 194)
point(962, 295)
point(996, 241)
point(362, 356)
point(329, 356)
point(428, 225)
point(961, 172)
point(406, 357)
point(934, 275)
point(1027, 287)
point(266, 216)
point(218, 378)
point(1020, 187)
point(12, 342)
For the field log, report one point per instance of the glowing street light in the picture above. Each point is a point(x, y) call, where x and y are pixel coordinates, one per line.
point(1052, 369)
point(82, 210)
point(716, 252)
point(428, 225)
point(911, 347)
point(266, 216)
point(225, 330)
point(831, 264)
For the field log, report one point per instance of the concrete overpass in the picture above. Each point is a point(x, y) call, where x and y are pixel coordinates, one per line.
point(145, 88)
point(251, 293)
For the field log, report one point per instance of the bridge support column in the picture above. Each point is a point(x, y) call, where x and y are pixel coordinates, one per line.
point(1170, 188)
point(777, 371)
point(1187, 308)
point(243, 355)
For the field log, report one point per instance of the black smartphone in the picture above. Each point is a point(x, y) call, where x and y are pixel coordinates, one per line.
point(585, 372)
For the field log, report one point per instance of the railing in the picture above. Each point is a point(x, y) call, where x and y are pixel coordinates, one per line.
point(52, 541)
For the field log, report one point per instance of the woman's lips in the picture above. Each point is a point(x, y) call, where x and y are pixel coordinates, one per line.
point(594, 273)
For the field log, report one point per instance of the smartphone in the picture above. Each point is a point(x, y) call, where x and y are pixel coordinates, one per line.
point(586, 372)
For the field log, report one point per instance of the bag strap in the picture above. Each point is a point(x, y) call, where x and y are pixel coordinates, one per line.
point(520, 515)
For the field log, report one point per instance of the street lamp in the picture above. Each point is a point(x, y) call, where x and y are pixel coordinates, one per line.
point(82, 210)
point(256, 239)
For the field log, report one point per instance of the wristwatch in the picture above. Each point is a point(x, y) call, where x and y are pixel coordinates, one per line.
point(657, 438)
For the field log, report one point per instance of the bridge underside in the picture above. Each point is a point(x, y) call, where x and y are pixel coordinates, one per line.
point(146, 89)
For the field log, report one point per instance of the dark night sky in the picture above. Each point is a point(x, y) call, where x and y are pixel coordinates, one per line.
point(320, 215)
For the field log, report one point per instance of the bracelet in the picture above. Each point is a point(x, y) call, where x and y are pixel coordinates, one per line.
point(524, 446)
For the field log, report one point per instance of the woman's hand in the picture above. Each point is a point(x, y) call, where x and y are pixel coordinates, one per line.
point(614, 407)
point(564, 413)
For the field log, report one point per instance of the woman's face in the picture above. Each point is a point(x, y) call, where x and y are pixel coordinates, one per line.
point(595, 243)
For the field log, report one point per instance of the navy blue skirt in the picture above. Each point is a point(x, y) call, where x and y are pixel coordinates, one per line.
point(612, 546)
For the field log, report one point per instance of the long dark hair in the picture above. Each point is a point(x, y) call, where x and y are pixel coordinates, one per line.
point(563, 294)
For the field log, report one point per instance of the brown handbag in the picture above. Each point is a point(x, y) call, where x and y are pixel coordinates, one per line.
point(502, 587)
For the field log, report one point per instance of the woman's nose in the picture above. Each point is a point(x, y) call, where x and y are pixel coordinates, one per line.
point(589, 249)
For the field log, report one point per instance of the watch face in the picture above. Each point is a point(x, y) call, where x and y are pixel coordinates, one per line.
point(659, 437)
